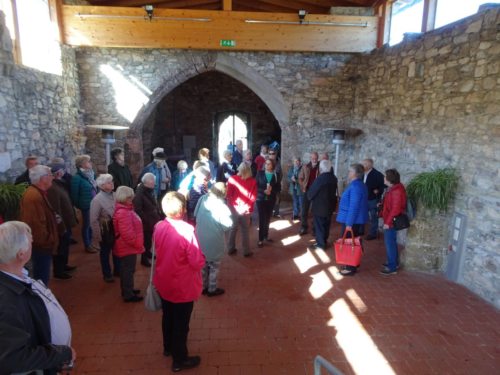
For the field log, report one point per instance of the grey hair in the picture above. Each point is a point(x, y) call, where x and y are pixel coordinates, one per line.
point(103, 179)
point(226, 153)
point(123, 193)
point(325, 166)
point(14, 237)
point(80, 159)
point(148, 177)
point(182, 164)
point(358, 170)
point(37, 172)
point(247, 152)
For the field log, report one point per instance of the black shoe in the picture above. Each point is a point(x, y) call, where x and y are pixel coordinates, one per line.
point(133, 299)
point(346, 272)
point(204, 291)
point(370, 237)
point(232, 251)
point(387, 272)
point(269, 239)
point(109, 279)
point(167, 353)
point(249, 254)
point(385, 265)
point(189, 362)
point(302, 231)
point(69, 268)
point(63, 276)
point(72, 241)
point(216, 292)
point(136, 291)
point(91, 250)
point(145, 262)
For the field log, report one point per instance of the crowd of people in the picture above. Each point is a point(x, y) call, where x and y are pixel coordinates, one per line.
point(187, 220)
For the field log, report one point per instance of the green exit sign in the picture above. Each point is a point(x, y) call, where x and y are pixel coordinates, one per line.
point(227, 43)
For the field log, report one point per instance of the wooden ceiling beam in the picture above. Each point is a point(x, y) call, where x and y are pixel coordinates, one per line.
point(243, 5)
point(227, 5)
point(161, 3)
point(294, 5)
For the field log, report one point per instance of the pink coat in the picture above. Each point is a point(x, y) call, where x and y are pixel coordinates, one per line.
point(179, 260)
point(128, 231)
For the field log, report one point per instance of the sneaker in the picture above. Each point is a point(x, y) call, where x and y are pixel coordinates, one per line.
point(216, 292)
point(386, 271)
point(133, 299)
point(260, 244)
point(315, 247)
point(109, 279)
point(385, 265)
point(232, 251)
point(347, 272)
point(91, 250)
point(63, 276)
point(302, 231)
point(189, 362)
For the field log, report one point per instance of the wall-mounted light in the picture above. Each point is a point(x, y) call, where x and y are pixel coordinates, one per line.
point(149, 11)
point(302, 15)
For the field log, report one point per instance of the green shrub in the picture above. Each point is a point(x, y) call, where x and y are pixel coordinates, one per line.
point(434, 190)
point(10, 199)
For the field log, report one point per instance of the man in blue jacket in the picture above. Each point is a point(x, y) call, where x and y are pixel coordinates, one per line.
point(374, 181)
point(323, 195)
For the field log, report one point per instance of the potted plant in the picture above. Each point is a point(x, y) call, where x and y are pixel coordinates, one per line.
point(432, 193)
point(10, 198)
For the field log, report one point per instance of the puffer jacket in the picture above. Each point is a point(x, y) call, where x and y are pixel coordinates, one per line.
point(128, 231)
point(353, 206)
point(394, 203)
point(82, 191)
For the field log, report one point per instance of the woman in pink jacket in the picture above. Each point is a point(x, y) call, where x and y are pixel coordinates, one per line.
point(177, 278)
point(129, 241)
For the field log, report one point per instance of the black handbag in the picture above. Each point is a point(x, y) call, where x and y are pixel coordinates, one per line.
point(401, 222)
point(108, 233)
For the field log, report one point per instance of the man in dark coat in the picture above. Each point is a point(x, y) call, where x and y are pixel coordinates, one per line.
point(119, 170)
point(323, 195)
point(30, 162)
point(374, 181)
point(26, 341)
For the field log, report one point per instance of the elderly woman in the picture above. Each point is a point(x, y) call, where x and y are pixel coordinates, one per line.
point(213, 219)
point(35, 330)
point(294, 188)
point(146, 206)
point(394, 204)
point(177, 278)
point(198, 189)
point(180, 174)
point(241, 196)
point(248, 160)
point(129, 241)
point(227, 168)
point(83, 190)
point(267, 186)
point(102, 209)
point(353, 208)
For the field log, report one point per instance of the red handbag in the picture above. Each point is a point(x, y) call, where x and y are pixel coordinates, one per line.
point(348, 251)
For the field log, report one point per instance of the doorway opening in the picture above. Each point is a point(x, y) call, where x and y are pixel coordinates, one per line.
point(230, 127)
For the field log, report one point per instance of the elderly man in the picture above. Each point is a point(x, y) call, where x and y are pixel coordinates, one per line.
point(60, 201)
point(307, 175)
point(37, 212)
point(30, 162)
point(159, 168)
point(323, 195)
point(35, 334)
point(273, 155)
point(238, 153)
point(374, 181)
point(119, 170)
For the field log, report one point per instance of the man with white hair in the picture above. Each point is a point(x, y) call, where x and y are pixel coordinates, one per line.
point(37, 212)
point(35, 330)
point(323, 196)
point(238, 153)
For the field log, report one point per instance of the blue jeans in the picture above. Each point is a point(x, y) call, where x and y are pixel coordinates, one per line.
point(322, 230)
point(391, 248)
point(41, 266)
point(297, 203)
point(373, 217)
point(86, 229)
point(105, 265)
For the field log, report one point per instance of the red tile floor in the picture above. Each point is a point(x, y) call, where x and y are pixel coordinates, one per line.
point(284, 306)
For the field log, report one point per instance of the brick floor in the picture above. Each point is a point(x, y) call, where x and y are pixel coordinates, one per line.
point(283, 307)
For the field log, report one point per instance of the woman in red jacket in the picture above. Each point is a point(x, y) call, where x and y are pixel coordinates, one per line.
point(393, 205)
point(177, 278)
point(129, 241)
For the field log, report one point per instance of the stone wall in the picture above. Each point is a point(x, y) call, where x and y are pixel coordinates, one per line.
point(433, 101)
point(313, 88)
point(38, 111)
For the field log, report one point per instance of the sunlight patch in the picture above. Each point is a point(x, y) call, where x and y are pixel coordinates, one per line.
point(280, 224)
point(356, 300)
point(305, 261)
point(321, 284)
point(290, 240)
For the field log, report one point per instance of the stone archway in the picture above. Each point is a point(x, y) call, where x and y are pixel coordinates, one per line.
point(208, 62)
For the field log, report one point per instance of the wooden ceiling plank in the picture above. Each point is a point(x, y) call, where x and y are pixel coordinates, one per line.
point(227, 5)
point(259, 6)
point(295, 5)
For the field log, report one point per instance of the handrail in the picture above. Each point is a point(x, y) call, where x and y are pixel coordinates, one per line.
point(319, 362)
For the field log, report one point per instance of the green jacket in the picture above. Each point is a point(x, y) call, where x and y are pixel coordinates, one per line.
point(82, 191)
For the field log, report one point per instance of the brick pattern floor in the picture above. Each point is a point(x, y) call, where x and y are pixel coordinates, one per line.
point(284, 306)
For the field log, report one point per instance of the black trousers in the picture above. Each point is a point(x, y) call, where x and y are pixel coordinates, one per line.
point(306, 205)
point(265, 209)
point(175, 327)
point(148, 242)
point(127, 270)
